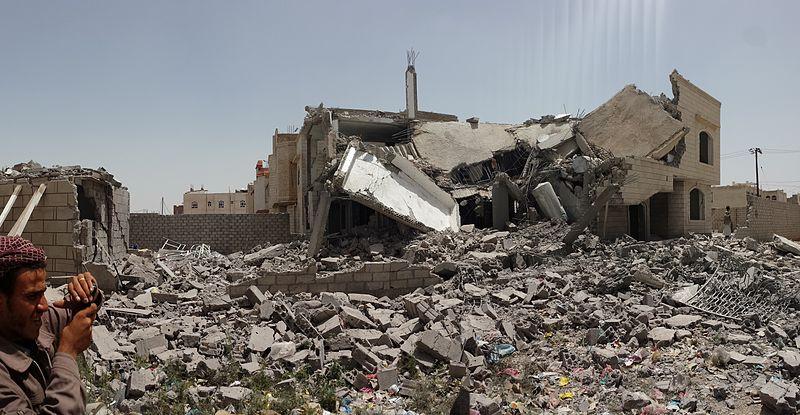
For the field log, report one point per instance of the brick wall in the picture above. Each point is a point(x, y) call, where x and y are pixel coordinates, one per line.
point(738, 218)
point(377, 278)
point(768, 217)
point(51, 224)
point(223, 233)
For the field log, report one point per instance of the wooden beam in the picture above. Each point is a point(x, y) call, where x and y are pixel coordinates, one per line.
point(22, 221)
point(10, 204)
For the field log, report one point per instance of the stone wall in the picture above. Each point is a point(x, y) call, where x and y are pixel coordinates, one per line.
point(738, 218)
point(768, 217)
point(223, 233)
point(389, 279)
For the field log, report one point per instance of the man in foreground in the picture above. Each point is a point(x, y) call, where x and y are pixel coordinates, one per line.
point(39, 344)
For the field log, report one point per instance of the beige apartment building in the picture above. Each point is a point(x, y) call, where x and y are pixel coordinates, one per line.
point(284, 176)
point(196, 202)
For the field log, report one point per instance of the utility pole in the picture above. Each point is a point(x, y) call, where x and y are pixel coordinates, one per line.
point(756, 151)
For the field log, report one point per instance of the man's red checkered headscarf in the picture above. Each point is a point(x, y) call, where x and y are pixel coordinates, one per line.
point(16, 252)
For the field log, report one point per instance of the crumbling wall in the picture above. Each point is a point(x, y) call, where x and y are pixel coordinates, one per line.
point(768, 217)
point(377, 278)
point(52, 222)
point(224, 233)
point(699, 112)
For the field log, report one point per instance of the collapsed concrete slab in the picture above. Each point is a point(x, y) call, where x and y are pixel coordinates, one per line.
point(396, 188)
point(632, 123)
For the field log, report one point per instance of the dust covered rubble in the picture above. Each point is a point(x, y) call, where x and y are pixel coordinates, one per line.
point(525, 326)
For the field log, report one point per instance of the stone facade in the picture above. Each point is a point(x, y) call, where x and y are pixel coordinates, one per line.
point(223, 233)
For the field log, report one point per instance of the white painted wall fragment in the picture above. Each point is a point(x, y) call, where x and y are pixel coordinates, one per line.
point(397, 189)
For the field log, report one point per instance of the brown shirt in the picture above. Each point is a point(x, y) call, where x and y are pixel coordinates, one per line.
point(40, 381)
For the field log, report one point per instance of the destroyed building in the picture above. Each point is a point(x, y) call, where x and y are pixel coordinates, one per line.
point(670, 150)
point(428, 171)
point(75, 214)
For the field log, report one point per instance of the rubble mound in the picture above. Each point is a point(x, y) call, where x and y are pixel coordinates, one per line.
point(519, 325)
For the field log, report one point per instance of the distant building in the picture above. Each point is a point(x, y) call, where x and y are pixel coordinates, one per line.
point(284, 176)
point(794, 200)
point(196, 202)
point(177, 209)
point(261, 188)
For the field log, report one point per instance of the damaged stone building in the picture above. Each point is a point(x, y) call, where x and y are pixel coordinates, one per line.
point(82, 214)
point(428, 171)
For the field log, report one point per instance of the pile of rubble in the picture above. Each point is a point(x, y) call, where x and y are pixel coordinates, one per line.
point(686, 325)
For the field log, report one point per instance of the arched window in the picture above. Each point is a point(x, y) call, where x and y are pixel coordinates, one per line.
point(705, 148)
point(697, 207)
point(194, 205)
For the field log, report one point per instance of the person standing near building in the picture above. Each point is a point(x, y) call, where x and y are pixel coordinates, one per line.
point(39, 344)
point(727, 225)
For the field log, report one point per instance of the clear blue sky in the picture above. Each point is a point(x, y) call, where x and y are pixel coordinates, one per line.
point(167, 94)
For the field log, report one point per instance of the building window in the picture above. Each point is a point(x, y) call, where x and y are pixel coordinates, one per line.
point(222, 204)
point(697, 207)
point(209, 203)
point(774, 197)
point(194, 205)
point(705, 148)
point(242, 204)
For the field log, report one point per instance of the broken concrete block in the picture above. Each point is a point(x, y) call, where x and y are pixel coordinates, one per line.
point(791, 360)
point(355, 319)
point(681, 321)
point(152, 346)
point(439, 346)
point(457, 369)
point(261, 339)
point(786, 245)
point(282, 350)
point(234, 395)
point(103, 342)
point(255, 296)
point(605, 357)
point(661, 336)
point(634, 400)
point(366, 358)
point(387, 377)
point(159, 297)
point(331, 327)
point(257, 258)
point(779, 396)
point(211, 304)
point(331, 263)
point(265, 310)
point(140, 382)
point(446, 269)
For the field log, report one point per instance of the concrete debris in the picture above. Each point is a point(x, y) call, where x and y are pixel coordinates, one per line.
point(531, 328)
point(786, 245)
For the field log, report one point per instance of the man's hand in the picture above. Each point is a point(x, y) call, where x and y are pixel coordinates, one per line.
point(77, 335)
point(80, 291)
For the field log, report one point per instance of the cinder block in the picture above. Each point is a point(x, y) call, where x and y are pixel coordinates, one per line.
point(362, 276)
point(56, 226)
point(66, 213)
point(42, 239)
point(343, 277)
point(65, 186)
point(34, 226)
point(42, 213)
point(355, 287)
point(384, 276)
point(405, 274)
point(57, 252)
point(64, 239)
point(305, 278)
